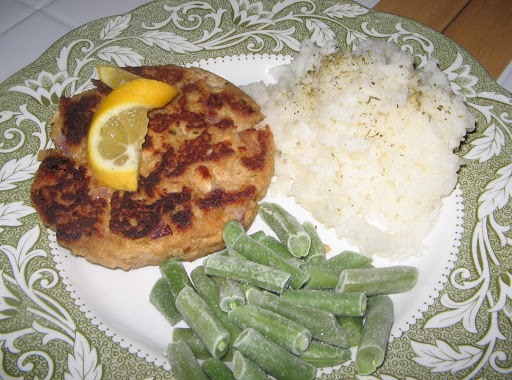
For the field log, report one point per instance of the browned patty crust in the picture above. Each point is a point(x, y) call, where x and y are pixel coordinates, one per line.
point(203, 163)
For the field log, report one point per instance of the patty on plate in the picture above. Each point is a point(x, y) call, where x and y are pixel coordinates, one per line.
point(203, 163)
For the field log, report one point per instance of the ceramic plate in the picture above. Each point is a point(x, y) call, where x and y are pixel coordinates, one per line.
point(62, 317)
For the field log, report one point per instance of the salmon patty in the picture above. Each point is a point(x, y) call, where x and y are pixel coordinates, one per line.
point(204, 162)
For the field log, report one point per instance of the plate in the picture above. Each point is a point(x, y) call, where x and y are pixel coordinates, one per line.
point(62, 317)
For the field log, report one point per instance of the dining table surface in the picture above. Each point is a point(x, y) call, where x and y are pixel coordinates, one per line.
point(482, 27)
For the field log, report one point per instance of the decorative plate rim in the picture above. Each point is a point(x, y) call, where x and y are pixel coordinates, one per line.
point(473, 304)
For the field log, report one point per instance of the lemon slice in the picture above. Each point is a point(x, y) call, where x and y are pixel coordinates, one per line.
point(118, 130)
point(114, 76)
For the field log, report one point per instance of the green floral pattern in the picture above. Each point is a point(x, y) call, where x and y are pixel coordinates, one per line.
point(465, 330)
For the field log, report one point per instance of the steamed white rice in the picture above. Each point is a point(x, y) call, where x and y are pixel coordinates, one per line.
point(365, 141)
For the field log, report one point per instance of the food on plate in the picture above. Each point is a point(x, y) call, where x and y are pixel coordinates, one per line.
point(237, 240)
point(202, 320)
point(350, 304)
point(272, 358)
point(231, 294)
point(276, 246)
point(321, 278)
point(248, 271)
point(185, 365)
point(376, 281)
point(365, 141)
point(323, 355)
point(205, 286)
point(287, 228)
point(317, 249)
point(278, 330)
point(321, 323)
point(203, 162)
point(244, 368)
point(163, 299)
point(346, 260)
point(118, 130)
point(287, 333)
point(372, 347)
point(353, 328)
point(192, 340)
point(114, 76)
point(216, 369)
point(175, 273)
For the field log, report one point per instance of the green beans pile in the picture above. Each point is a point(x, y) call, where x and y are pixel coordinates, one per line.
point(277, 307)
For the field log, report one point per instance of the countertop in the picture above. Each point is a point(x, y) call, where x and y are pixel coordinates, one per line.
point(29, 27)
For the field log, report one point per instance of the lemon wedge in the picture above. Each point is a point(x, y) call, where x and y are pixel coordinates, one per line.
point(114, 76)
point(118, 130)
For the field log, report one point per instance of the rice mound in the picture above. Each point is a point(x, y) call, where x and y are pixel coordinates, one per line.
point(365, 141)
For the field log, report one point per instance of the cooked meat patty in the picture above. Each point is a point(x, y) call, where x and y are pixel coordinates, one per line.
point(203, 163)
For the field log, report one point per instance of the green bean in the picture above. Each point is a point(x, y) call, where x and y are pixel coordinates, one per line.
point(224, 252)
point(205, 286)
point(235, 254)
point(276, 246)
point(246, 369)
point(376, 331)
point(183, 363)
point(245, 287)
point(283, 331)
point(231, 232)
point(353, 328)
point(377, 281)
point(236, 239)
point(324, 355)
point(215, 369)
point(200, 317)
point(258, 234)
point(287, 228)
point(321, 278)
point(346, 260)
point(347, 304)
point(175, 273)
point(274, 359)
point(162, 299)
point(230, 293)
point(187, 335)
point(317, 249)
point(249, 272)
point(322, 324)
